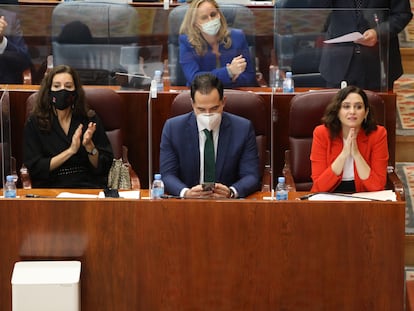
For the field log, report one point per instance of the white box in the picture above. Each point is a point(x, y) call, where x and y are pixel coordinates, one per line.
point(46, 286)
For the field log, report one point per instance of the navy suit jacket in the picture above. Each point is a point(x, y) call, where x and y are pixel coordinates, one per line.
point(15, 58)
point(237, 161)
point(337, 58)
point(194, 64)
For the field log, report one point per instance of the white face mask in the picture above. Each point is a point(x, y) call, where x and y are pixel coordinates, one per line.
point(211, 27)
point(210, 121)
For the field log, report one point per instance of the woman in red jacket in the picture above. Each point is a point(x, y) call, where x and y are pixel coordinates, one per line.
point(349, 150)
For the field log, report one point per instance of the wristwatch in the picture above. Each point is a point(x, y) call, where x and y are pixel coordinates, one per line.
point(93, 151)
point(232, 194)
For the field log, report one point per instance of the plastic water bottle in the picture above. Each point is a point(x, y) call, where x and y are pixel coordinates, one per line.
point(10, 187)
point(281, 189)
point(157, 189)
point(25, 178)
point(288, 84)
point(158, 79)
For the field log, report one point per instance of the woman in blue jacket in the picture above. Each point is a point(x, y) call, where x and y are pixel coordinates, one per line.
point(208, 45)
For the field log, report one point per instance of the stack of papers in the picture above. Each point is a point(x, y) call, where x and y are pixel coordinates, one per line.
point(385, 195)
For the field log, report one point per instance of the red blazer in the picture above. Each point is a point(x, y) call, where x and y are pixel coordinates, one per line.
point(373, 148)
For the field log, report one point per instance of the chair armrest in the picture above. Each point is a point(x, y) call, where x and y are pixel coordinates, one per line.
point(135, 182)
point(395, 183)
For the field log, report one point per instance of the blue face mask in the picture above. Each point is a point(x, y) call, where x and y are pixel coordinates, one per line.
point(62, 99)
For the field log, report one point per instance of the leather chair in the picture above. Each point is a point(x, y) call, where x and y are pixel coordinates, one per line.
point(108, 106)
point(245, 104)
point(306, 111)
point(93, 43)
point(237, 16)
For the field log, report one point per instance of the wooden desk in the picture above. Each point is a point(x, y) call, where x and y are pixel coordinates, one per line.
point(213, 255)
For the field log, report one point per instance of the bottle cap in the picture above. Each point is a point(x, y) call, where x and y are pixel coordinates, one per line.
point(288, 74)
point(157, 176)
point(9, 178)
point(281, 179)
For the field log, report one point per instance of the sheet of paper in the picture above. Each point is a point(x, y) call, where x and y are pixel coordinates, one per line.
point(385, 195)
point(350, 37)
point(70, 195)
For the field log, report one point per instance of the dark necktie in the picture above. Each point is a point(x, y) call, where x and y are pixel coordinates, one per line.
point(209, 161)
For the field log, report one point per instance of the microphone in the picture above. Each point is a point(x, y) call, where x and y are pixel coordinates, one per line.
point(152, 94)
point(383, 78)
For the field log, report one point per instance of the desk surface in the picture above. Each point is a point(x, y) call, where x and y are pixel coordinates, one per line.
point(213, 255)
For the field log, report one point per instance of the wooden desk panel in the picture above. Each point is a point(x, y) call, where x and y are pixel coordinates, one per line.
point(214, 255)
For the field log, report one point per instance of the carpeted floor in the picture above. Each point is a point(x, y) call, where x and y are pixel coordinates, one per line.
point(404, 88)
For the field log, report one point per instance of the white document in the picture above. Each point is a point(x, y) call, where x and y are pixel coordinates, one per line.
point(70, 195)
point(350, 37)
point(385, 195)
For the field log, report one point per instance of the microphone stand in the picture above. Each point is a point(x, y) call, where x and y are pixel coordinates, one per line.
point(273, 118)
point(383, 78)
point(152, 94)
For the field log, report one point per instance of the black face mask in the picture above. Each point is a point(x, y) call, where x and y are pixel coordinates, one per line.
point(62, 99)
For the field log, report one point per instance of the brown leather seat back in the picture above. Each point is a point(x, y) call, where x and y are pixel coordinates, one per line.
point(306, 111)
point(245, 104)
point(108, 106)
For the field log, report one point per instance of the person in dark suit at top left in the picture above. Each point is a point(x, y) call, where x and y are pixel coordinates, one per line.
point(183, 145)
point(14, 55)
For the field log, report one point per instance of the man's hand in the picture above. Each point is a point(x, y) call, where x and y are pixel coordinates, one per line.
point(3, 27)
point(369, 38)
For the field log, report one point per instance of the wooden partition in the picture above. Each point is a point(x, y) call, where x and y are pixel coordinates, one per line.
point(214, 255)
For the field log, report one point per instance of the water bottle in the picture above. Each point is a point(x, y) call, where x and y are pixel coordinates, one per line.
point(288, 84)
point(158, 79)
point(157, 189)
point(281, 189)
point(10, 187)
point(25, 178)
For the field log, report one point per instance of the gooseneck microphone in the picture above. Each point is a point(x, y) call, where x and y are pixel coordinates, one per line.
point(152, 94)
point(383, 77)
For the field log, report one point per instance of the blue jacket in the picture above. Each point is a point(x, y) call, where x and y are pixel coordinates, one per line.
point(237, 161)
point(194, 64)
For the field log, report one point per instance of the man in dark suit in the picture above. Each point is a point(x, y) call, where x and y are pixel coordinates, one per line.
point(183, 145)
point(14, 55)
point(364, 63)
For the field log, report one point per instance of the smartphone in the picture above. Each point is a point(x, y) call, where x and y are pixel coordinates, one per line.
point(208, 186)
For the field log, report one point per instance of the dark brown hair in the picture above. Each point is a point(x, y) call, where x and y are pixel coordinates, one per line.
point(44, 111)
point(331, 119)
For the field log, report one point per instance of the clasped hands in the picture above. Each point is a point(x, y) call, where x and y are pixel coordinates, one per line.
point(219, 191)
point(237, 66)
point(350, 144)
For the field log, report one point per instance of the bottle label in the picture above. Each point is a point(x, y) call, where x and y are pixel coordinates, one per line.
point(281, 195)
point(156, 193)
point(10, 193)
